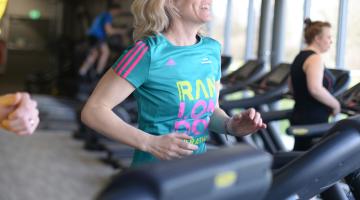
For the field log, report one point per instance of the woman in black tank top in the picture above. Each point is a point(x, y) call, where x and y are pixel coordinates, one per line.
point(311, 82)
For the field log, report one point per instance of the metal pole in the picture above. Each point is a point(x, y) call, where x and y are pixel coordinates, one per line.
point(250, 30)
point(265, 31)
point(278, 36)
point(227, 31)
point(341, 36)
point(307, 6)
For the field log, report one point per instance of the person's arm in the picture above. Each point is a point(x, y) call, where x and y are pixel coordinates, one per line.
point(314, 70)
point(241, 124)
point(97, 114)
point(18, 113)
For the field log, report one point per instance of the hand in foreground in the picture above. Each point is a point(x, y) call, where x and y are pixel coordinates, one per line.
point(18, 113)
point(171, 146)
point(245, 123)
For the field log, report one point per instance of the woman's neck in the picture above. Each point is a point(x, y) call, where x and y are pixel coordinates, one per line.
point(313, 48)
point(180, 34)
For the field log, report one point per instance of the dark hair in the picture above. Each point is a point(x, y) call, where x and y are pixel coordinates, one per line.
point(312, 29)
point(113, 6)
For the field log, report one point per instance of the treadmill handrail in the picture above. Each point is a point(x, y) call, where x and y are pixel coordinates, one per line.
point(313, 130)
point(222, 174)
point(330, 160)
point(259, 99)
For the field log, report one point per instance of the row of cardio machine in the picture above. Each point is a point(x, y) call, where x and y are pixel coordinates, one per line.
point(245, 171)
point(272, 87)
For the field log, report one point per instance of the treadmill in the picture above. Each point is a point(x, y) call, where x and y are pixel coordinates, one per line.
point(225, 63)
point(248, 73)
point(322, 166)
point(342, 79)
point(239, 172)
point(350, 102)
point(242, 172)
point(269, 88)
point(350, 105)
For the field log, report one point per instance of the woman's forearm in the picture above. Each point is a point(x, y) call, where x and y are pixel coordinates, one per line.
point(218, 121)
point(104, 121)
point(323, 96)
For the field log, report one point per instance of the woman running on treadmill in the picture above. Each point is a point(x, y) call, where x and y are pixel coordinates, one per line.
point(174, 71)
point(311, 82)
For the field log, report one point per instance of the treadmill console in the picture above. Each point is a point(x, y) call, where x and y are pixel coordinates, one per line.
point(350, 100)
point(243, 72)
point(278, 76)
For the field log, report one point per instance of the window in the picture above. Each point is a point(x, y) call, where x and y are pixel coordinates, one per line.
point(294, 25)
point(352, 58)
point(238, 27)
point(327, 10)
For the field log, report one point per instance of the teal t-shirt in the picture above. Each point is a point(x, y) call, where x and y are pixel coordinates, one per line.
point(175, 87)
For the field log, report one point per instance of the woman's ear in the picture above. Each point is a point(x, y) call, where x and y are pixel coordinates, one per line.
point(317, 38)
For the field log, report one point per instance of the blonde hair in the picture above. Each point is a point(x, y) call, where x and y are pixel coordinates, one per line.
point(152, 17)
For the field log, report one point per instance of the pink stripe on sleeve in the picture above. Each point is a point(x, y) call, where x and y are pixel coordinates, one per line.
point(137, 45)
point(131, 58)
point(136, 62)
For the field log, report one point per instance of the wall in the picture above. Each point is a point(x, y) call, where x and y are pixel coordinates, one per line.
point(29, 41)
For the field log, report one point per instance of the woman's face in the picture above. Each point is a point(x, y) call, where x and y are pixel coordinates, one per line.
point(194, 11)
point(324, 40)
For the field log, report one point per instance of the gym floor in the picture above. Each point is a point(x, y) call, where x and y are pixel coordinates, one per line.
point(49, 165)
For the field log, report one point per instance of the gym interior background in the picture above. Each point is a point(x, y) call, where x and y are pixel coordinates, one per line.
point(43, 44)
point(34, 30)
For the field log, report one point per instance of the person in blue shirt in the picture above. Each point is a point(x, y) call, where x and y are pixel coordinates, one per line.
point(18, 113)
point(174, 72)
point(98, 33)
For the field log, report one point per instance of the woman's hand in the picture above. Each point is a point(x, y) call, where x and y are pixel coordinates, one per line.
point(171, 146)
point(19, 113)
point(336, 109)
point(245, 123)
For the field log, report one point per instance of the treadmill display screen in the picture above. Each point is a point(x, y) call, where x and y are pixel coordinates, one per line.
point(351, 99)
point(246, 70)
point(355, 101)
point(279, 75)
